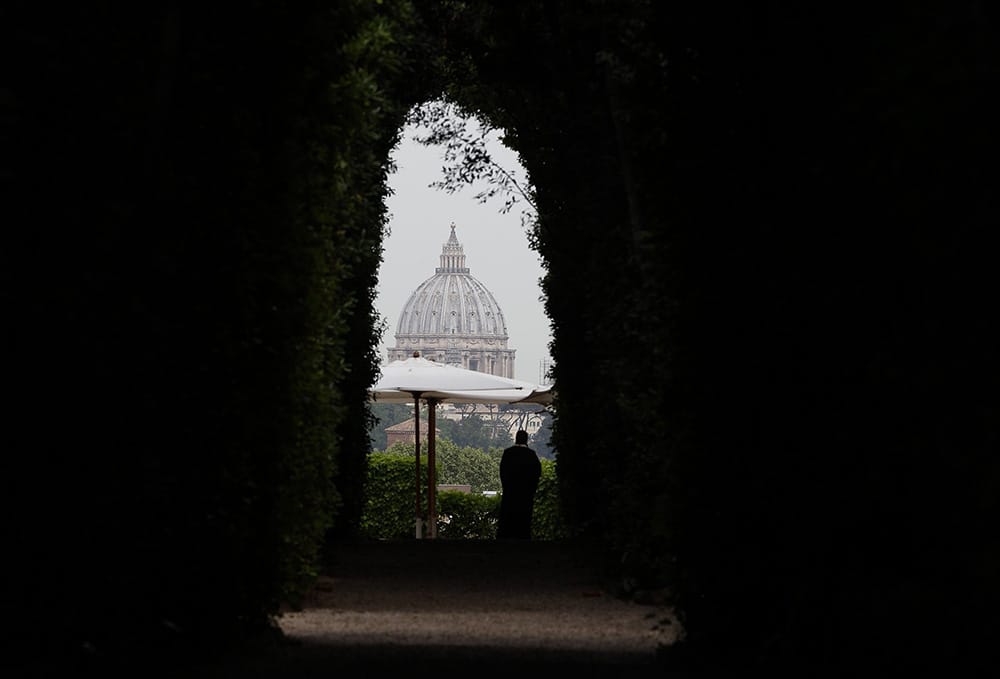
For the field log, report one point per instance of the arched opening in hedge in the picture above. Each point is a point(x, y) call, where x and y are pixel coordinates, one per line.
point(766, 240)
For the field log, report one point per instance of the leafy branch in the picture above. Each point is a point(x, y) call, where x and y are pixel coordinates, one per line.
point(464, 139)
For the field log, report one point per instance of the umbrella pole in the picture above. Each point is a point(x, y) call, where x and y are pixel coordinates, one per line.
point(431, 469)
point(416, 454)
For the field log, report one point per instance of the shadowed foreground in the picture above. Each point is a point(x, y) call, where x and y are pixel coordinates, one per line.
point(462, 606)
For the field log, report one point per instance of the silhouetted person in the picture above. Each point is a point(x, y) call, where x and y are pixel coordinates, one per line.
point(519, 474)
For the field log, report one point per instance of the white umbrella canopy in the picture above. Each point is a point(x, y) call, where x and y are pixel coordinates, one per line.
point(524, 393)
point(401, 381)
point(416, 378)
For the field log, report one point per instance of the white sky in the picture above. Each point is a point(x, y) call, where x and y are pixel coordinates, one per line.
point(496, 249)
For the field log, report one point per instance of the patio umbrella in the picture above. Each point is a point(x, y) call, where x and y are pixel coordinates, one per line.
point(436, 380)
point(525, 392)
point(417, 378)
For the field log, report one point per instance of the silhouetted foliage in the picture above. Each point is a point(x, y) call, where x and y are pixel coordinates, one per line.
point(200, 206)
point(463, 138)
point(764, 238)
point(768, 265)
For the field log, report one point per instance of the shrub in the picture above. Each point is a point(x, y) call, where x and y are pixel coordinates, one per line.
point(547, 521)
point(389, 506)
point(467, 516)
point(389, 496)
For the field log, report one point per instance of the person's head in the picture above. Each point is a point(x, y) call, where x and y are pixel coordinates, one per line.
point(521, 436)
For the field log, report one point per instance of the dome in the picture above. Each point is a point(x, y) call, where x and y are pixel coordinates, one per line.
point(454, 318)
point(452, 301)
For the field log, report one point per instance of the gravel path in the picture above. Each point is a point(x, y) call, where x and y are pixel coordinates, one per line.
point(489, 608)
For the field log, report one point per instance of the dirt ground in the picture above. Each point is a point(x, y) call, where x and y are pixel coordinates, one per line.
point(485, 607)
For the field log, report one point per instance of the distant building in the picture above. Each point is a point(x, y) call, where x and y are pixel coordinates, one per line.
point(404, 432)
point(453, 318)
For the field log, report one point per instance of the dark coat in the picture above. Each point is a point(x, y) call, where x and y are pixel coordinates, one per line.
point(520, 471)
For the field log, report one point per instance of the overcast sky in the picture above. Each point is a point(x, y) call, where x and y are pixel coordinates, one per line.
point(496, 249)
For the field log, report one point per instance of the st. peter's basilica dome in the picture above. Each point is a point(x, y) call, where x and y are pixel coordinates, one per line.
point(453, 318)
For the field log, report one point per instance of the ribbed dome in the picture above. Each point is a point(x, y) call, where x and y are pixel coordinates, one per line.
point(452, 302)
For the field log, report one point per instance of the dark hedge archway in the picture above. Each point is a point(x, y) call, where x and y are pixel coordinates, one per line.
point(768, 265)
